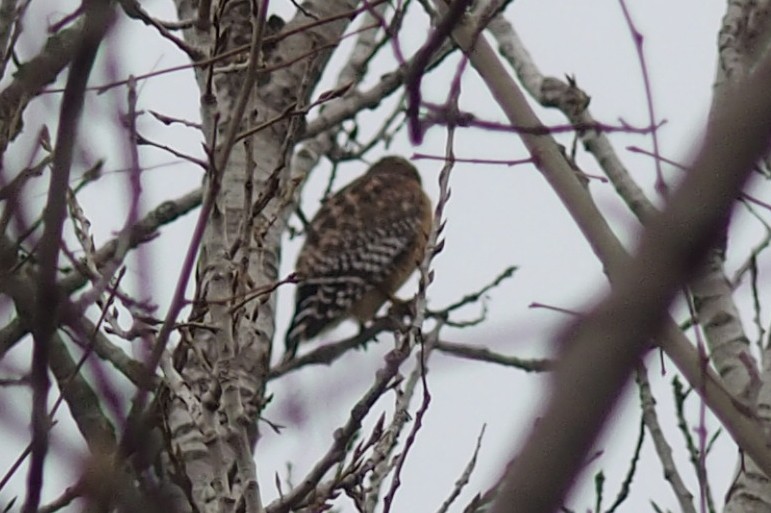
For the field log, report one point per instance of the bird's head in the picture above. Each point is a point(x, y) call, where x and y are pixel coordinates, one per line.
point(395, 165)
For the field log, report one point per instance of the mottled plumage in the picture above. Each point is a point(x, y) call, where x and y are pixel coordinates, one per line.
point(362, 245)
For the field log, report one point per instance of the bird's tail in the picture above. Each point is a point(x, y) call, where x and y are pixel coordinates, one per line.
point(293, 338)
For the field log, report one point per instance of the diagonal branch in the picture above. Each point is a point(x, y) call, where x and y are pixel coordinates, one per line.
point(603, 351)
point(34, 75)
point(98, 14)
point(663, 449)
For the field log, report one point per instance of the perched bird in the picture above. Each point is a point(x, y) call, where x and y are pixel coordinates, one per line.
point(361, 246)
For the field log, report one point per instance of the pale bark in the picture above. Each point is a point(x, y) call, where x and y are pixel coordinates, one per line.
point(742, 42)
point(213, 425)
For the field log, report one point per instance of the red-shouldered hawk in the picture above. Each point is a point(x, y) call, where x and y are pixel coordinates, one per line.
point(360, 247)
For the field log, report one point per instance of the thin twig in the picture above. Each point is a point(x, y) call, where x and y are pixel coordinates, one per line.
point(465, 476)
point(344, 434)
point(97, 22)
point(483, 354)
point(626, 485)
point(637, 37)
point(328, 353)
point(663, 449)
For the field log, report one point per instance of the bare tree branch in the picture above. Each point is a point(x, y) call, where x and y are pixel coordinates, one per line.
point(682, 234)
point(38, 72)
point(483, 354)
point(96, 23)
point(663, 449)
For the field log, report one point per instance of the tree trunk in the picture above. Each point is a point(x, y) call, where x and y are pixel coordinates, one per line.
point(211, 414)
